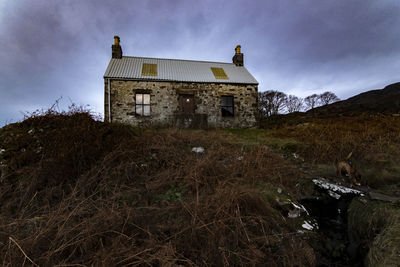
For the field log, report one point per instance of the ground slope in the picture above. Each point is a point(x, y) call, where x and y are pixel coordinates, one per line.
point(386, 100)
point(75, 191)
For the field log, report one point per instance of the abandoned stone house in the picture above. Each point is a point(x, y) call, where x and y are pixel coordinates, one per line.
point(171, 92)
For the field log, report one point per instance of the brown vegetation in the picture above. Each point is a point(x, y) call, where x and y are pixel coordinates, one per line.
point(77, 191)
point(74, 190)
point(373, 138)
point(327, 138)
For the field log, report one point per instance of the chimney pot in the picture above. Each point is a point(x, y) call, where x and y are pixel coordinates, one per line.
point(237, 49)
point(116, 39)
point(116, 48)
point(238, 57)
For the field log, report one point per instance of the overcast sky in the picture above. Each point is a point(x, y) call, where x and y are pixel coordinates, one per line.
point(60, 48)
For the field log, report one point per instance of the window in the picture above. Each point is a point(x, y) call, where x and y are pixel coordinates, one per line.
point(227, 106)
point(219, 73)
point(143, 104)
point(149, 69)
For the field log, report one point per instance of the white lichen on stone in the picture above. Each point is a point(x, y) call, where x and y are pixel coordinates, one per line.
point(309, 225)
point(295, 213)
point(325, 184)
point(333, 194)
point(198, 149)
point(300, 207)
point(306, 225)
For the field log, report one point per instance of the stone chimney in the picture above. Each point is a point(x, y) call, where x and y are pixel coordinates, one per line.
point(238, 57)
point(116, 48)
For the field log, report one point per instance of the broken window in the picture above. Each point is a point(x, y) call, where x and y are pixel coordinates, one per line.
point(142, 104)
point(227, 108)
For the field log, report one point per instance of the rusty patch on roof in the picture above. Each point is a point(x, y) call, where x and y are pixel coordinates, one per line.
point(219, 73)
point(149, 69)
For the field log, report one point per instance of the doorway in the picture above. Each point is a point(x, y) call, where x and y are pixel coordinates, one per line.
point(186, 104)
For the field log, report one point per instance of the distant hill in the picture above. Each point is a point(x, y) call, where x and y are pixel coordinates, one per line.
point(386, 100)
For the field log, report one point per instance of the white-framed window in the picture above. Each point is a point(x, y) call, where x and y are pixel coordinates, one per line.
point(142, 104)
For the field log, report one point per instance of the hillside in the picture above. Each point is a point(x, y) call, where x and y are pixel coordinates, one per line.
point(386, 100)
point(76, 191)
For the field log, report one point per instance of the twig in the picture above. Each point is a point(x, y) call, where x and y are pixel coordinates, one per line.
point(134, 256)
point(22, 214)
point(193, 215)
point(240, 219)
point(23, 252)
point(127, 218)
point(69, 265)
point(73, 211)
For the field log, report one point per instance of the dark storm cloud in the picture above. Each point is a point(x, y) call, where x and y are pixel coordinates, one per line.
point(46, 47)
point(339, 29)
point(61, 48)
point(335, 45)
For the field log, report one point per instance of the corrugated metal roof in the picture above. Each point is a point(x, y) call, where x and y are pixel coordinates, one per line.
point(177, 70)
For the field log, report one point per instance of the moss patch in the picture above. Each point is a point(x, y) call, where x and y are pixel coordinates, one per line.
point(375, 226)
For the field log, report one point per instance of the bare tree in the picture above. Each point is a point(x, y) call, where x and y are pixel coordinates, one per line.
point(278, 102)
point(312, 101)
point(328, 98)
point(271, 102)
point(293, 103)
point(264, 105)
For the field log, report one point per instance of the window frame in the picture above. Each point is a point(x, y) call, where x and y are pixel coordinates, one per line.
point(224, 108)
point(142, 105)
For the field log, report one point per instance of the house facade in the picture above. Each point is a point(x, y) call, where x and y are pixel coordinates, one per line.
point(170, 92)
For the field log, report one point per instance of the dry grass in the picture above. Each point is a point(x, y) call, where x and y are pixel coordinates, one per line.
point(373, 138)
point(75, 191)
point(327, 138)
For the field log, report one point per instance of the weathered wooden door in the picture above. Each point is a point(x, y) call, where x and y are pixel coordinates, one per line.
point(186, 103)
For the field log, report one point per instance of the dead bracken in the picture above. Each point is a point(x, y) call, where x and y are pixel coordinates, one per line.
point(92, 193)
point(76, 191)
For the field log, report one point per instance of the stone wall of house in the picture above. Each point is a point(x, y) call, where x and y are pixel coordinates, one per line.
point(164, 102)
